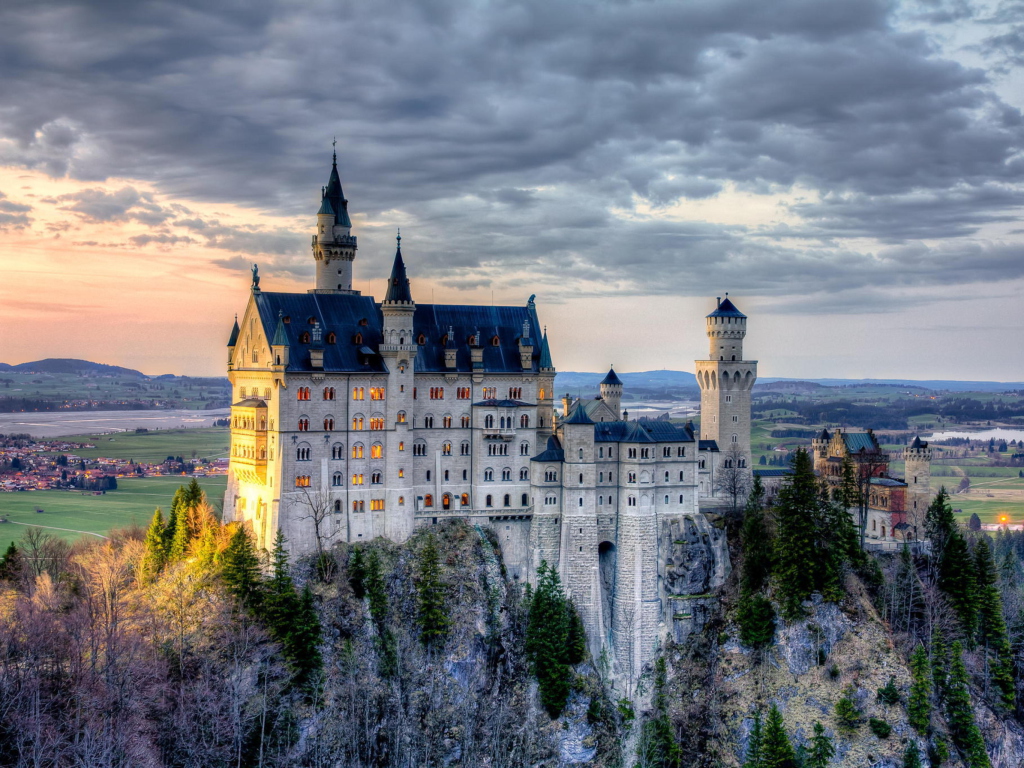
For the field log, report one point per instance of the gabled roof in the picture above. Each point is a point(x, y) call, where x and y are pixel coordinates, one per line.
point(611, 379)
point(726, 309)
point(503, 323)
point(857, 441)
point(398, 283)
point(234, 333)
point(553, 452)
point(578, 416)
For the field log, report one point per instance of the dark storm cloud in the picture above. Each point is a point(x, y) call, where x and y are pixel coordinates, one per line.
point(520, 135)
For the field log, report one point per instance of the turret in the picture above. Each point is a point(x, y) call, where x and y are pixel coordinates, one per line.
point(611, 391)
point(232, 340)
point(279, 345)
point(726, 327)
point(918, 470)
point(334, 247)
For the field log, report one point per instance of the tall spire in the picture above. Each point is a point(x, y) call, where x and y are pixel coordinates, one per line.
point(398, 283)
point(335, 195)
point(545, 351)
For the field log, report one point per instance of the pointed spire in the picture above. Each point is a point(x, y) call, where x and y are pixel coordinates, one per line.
point(334, 193)
point(234, 333)
point(545, 351)
point(611, 379)
point(398, 283)
point(280, 335)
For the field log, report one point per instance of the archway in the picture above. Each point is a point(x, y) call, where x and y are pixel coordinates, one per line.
point(606, 575)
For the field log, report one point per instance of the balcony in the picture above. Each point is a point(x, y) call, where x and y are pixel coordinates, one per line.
point(499, 433)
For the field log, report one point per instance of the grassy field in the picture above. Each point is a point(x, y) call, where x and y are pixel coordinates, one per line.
point(133, 502)
point(178, 392)
point(155, 446)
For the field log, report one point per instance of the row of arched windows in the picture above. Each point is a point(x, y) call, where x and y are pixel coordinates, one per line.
point(255, 393)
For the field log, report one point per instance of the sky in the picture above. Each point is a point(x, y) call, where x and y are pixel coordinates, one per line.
point(850, 171)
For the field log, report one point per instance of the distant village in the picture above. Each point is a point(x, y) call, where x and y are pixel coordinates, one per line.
point(35, 464)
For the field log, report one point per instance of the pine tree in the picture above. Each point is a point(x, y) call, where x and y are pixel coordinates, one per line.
point(756, 619)
point(658, 747)
point(547, 634)
point(757, 545)
point(357, 572)
point(776, 751)
point(430, 591)
point(956, 579)
point(992, 625)
point(796, 563)
point(153, 555)
point(180, 539)
point(940, 665)
point(919, 704)
point(939, 523)
point(755, 746)
point(303, 642)
point(912, 756)
point(240, 570)
point(822, 750)
point(576, 645)
point(960, 714)
point(376, 590)
point(10, 563)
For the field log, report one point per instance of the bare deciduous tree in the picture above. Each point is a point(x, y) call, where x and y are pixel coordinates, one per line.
point(732, 477)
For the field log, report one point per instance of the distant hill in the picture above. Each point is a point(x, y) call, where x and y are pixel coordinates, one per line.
point(70, 365)
point(573, 382)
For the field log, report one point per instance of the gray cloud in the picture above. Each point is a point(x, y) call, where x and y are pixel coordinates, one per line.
point(506, 136)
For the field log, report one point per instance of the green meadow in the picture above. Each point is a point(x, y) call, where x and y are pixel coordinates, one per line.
point(79, 513)
point(155, 446)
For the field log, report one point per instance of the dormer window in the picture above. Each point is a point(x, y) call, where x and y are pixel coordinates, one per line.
point(304, 338)
point(357, 339)
point(286, 319)
point(495, 342)
point(312, 321)
point(421, 339)
point(332, 338)
point(364, 322)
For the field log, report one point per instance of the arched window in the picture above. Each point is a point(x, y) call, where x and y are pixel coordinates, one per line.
point(446, 501)
point(337, 451)
point(489, 421)
point(428, 500)
point(465, 422)
point(506, 474)
point(508, 500)
point(331, 338)
point(304, 338)
point(328, 393)
point(376, 478)
point(524, 421)
point(446, 449)
point(428, 422)
point(376, 451)
point(488, 474)
point(329, 424)
point(488, 501)
point(581, 453)
point(526, 500)
point(524, 474)
point(337, 505)
point(338, 479)
point(401, 417)
point(357, 451)
point(303, 425)
point(495, 342)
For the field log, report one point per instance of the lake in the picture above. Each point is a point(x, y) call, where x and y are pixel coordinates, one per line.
point(57, 423)
point(997, 433)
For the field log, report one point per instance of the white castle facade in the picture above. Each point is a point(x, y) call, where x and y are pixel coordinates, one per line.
point(354, 419)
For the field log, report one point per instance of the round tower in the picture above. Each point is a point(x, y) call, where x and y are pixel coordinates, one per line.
point(726, 327)
point(334, 247)
point(611, 392)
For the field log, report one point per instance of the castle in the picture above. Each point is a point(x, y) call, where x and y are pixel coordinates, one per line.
point(353, 419)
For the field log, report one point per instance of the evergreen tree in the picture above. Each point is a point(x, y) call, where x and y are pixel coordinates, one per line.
point(992, 625)
point(180, 539)
point(10, 563)
point(547, 634)
point(919, 704)
point(658, 747)
point(357, 572)
point(756, 619)
point(797, 562)
point(153, 554)
point(956, 579)
point(376, 590)
point(776, 751)
point(822, 750)
point(303, 641)
point(240, 569)
point(430, 591)
point(756, 744)
point(940, 665)
point(757, 546)
point(576, 645)
point(172, 526)
point(939, 523)
point(960, 714)
point(912, 756)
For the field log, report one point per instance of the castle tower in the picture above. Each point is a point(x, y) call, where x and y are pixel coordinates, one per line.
point(918, 470)
point(545, 392)
point(399, 352)
point(334, 247)
point(725, 381)
point(819, 450)
point(611, 392)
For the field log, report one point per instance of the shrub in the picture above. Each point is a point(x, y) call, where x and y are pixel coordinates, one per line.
point(889, 693)
point(848, 717)
point(880, 728)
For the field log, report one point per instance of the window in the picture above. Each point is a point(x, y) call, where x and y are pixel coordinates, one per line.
point(428, 475)
point(495, 341)
point(302, 481)
point(331, 338)
point(357, 393)
point(337, 505)
point(506, 474)
point(702, 464)
point(600, 501)
point(728, 398)
point(550, 476)
point(581, 453)
point(507, 500)
point(631, 453)
point(631, 501)
point(303, 393)
point(446, 422)
point(488, 501)
point(681, 451)
point(302, 453)
point(428, 500)
point(419, 449)
point(515, 393)
point(357, 339)
point(581, 478)
point(421, 339)
point(524, 449)
point(465, 422)
point(376, 423)
point(357, 479)
point(680, 477)
point(337, 480)
point(401, 417)
point(680, 498)
point(428, 422)
point(540, 395)
point(735, 419)
point(666, 477)
point(600, 453)
point(414, 393)
point(666, 499)
point(358, 506)
point(401, 472)
point(524, 474)
point(376, 451)
point(464, 474)
point(328, 424)
point(241, 393)
point(376, 393)
point(631, 477)
point(524, 421)
point(357, 451)
point(337, 451)
point(645, 453)
point(376, 478)
point(446, 501)
point(401, 501)
point(401, 446)
point(462, 393)
point(488, 475)
point(490, 393)
point(357, 422)
point(376, 505)
point(550, 500)
point(303, 425)
point(464, 449)
point(497, 449)
point(735, 438)
point(328, 393)
point(437, 393)
point(489, 421)
point(464, 500)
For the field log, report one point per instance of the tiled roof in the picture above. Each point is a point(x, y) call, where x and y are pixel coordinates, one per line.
point(343, 314)
point(611, 379)
point(578, 416)
point(553, 452)
point(726, 309)
point(325, 207)
point(250, 402)
point(504, 403)
point(856, 441)
point(708, 445)
point(888, 482)
point(545, 352)
point(773, 472)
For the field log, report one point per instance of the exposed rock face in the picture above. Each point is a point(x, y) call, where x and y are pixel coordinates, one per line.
point(695, 557)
